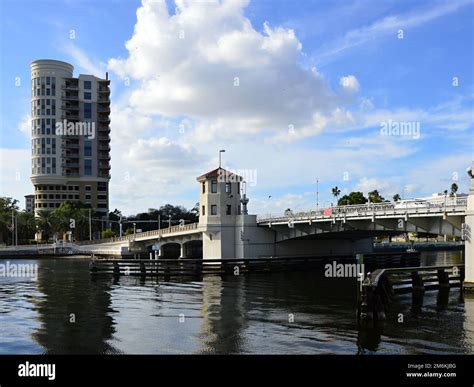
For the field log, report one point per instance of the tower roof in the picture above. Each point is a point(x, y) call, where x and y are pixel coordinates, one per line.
point(220, 172)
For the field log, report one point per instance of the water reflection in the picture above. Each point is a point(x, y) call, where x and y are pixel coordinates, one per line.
point(292, 312)
point(74, 312)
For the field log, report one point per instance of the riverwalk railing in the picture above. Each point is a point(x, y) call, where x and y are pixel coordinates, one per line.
point(378, 289)
point(145, 234)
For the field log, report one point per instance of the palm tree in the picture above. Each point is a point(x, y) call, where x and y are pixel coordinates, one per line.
point(454, 189)
point(336, 192)
point(45, 223)
point(396, 197)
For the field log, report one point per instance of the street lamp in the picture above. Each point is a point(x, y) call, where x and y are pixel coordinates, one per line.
point(169, 220)
point(134, 228)
point(317, 194)
point(220, 153)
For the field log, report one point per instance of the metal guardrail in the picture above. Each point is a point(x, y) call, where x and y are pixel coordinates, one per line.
point(145, 234)
point(361, 210)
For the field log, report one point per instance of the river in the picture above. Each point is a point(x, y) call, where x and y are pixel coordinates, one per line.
point(65, 311)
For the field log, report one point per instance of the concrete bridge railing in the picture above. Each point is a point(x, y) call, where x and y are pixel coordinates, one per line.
point(457, 206)
point(145, 234)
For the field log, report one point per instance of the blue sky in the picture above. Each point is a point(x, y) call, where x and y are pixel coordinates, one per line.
point(317, 79)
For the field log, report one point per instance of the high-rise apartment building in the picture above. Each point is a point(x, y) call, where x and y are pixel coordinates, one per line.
point(70, 144)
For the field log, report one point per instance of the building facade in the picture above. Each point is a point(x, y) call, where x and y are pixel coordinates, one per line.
point(29, 203)
point(70, 142)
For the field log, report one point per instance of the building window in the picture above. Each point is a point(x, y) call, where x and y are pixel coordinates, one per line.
point(87, 85)
point(203, 210)
point(87, 95)
point(228, 188)
point(87, 110)
point(214, 186)
point(203, 187)
point(213, 209)
point(87, 167)
point(88, 188)
point(87, 148)
point(228, 210)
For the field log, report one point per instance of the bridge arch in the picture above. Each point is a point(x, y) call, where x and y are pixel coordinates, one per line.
point(192, 249)
point(170, 250)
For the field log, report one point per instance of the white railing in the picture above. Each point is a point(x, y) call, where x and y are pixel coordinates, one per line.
point(141, 235)
point(372, 209)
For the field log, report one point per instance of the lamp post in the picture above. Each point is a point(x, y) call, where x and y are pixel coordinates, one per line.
point(169, 220)
point(220, 159)
point(134, 229)
point(317, 194)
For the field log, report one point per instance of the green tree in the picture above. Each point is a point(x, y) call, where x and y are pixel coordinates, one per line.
point(27, 226)
point(336, 192)
point(108, 233)
point(352, 198)
point(396, 197)
point(375, 197)
point(129, 231)
point(7, 207)
point(454, 189)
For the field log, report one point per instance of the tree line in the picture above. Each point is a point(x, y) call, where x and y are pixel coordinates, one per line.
point(80, 221)
point(374, 196)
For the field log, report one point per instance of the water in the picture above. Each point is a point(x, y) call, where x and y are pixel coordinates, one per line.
point(245, 314)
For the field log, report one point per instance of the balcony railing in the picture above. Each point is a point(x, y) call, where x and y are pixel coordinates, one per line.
point(67, 106)
point(71, 146)
point(69, 86)
point(70, 97)
point(70, 117)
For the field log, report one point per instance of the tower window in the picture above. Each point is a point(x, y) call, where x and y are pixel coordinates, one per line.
point(203, 187)
point(203, 210)
point(228, 210)
point(214, 186)
point(228, 188)
point(213, 209)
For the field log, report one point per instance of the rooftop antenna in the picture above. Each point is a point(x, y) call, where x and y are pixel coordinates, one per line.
point(244, 200)
point(220, 153)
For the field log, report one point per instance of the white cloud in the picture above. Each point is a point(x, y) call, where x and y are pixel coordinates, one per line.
point(387, 25)
point(25, 125)
point(207, 62)
point(349, 83)
point(83, 61)
point(15, 173)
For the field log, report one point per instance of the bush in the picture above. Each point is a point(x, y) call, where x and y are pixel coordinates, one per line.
point(108, 233)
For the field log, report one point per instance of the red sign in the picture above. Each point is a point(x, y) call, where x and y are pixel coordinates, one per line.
point(327, 212)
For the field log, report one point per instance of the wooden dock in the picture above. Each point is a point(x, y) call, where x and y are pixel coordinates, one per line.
point(193, 267)
point(378, 289)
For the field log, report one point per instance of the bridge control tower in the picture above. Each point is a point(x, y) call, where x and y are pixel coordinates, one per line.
point(228, 231)
point(219, 207)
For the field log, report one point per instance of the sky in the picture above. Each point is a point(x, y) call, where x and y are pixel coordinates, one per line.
point(302, 95)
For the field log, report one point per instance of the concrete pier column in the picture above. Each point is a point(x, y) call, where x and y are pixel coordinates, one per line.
point(469, 235)
point(181, 251)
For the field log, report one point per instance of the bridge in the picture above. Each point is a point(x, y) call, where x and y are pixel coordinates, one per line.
point(339, 223)
point(226, 231)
